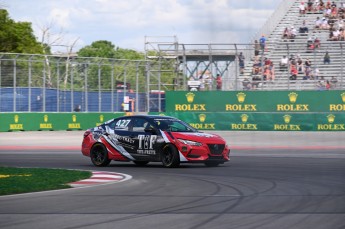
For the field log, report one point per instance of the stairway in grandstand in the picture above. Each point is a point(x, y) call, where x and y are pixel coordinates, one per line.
point(278, 47)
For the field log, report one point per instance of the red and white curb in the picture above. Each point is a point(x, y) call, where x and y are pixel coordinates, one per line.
point(100, 178)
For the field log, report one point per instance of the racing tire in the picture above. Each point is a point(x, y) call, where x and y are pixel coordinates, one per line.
point(211, 163)
point(141, 163)
point(99, 155)
point(170, 156)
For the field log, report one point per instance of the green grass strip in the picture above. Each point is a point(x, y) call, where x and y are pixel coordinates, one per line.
point(23, 180)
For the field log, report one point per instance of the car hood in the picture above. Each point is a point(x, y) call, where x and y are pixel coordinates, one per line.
point(199, 137)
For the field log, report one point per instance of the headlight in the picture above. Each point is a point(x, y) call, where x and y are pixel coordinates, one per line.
point(191, 143)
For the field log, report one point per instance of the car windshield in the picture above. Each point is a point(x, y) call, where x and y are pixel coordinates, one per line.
point(173, 125)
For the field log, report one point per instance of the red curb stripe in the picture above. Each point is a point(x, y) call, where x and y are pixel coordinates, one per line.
point(104, 178)
point(26, 148)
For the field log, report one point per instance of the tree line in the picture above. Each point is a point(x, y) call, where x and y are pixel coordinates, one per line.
point(104, 67)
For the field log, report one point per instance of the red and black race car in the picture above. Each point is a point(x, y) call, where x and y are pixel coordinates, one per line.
point(152, 138)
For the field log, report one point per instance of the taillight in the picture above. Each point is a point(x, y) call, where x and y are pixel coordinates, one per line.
point(87, 133)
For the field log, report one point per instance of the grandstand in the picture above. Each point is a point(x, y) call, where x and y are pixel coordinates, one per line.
point(277, 47)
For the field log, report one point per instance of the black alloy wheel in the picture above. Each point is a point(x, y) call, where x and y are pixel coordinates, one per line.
point(99, 155)
point(170, 156)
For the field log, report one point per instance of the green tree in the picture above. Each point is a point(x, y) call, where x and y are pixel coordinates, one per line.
point(17, 37)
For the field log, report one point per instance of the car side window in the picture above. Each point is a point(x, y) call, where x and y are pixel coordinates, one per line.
point(139, 125)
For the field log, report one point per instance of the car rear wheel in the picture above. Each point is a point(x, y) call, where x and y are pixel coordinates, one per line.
point(170, 156)
point(141, 163)
point(99, 155)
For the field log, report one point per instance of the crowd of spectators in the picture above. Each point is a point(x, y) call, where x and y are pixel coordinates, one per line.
point(332, 19)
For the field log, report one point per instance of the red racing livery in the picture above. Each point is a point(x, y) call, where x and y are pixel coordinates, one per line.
point(151, 138)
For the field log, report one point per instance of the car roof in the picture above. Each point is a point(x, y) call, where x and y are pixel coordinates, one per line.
point(149, 117)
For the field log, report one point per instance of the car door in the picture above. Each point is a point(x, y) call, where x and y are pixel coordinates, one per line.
point(144, 142)
point(119, 134)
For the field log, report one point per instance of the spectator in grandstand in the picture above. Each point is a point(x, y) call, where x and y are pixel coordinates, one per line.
point(267, 62)
point(317, 42)
point(318, 23)
point(307, 73)
point(283, 64)
point(310, 6)
point(333, 5)
point(256, 67)
point(334, 11)
point(256, 48)
point(271, 75)
point(324, 23)
point(300, 66)
point(293, 32)
point(342, 34)
point(315, 73)
point(307, 63)
point(302, 9)
point(263, 42)
point(335, 34)
point(310, 44)
point(320, 86)
point(334, 82)
point(326, 58)
point(241, 62)
point(321, 6)
point(292, 60)
point(293, 72)
point(247, 85)
point(286, 33)
point(304, 28)
point(328, 85)
point(219, 82)
point(327, 12)
point(256, 80)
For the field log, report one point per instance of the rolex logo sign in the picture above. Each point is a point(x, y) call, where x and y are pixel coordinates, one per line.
point(74, 118)
point(338, 107)
point(74, 125)
point(244, 125)
point(331, 125)
point(190, 106)
point(287, 126)
point(16, 125)
point(101, 118)
point(331, 118)
point(293, 97)
point(45, 124)
point(202, 117)
point(202, 124)
point(190, 97)
point(287, 118)
point(241, 97)
point(16, 118)
point(244, 118)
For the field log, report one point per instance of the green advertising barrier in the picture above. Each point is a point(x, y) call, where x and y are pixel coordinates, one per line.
point(53, 121)
point(262, 121)
point(256, 101)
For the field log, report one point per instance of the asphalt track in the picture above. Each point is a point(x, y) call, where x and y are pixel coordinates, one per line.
point(274, 180)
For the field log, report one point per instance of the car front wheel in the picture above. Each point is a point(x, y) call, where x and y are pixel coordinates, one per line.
point(99, 155)
point(170, 156)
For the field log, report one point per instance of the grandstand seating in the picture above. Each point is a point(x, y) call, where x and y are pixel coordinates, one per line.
point(278, 47)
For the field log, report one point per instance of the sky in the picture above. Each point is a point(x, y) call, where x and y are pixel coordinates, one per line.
point(126, 23)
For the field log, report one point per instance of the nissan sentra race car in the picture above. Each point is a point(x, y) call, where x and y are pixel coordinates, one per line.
point(150, 138)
